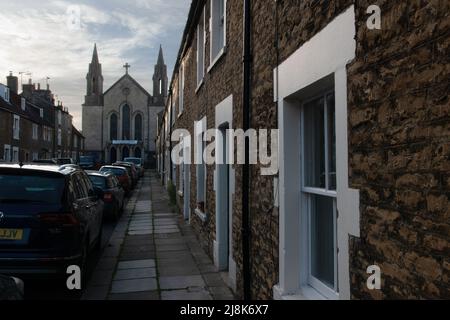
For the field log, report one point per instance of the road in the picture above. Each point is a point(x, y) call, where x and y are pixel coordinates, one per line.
point(56, 290)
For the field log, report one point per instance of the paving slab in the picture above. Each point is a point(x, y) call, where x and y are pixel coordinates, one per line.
point(136, 296)
point(181, 282)
point(136, 264)
point(134, 285)
point(135, 273)
point(185, 295)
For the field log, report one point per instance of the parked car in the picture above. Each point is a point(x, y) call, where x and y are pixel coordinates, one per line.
point(11, 288)
point(132, 171)
point(87, 163)
point(63, 161)
point(139, 163)
point(51, 218)
point(122, 175)
point(45, 161)
point(113, 192)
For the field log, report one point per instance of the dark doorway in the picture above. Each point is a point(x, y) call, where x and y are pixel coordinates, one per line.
point(113, 155)
point(125, 152)
point(138, 153)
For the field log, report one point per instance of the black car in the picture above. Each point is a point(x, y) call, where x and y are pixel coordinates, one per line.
point(50, 218)
point(113, 193)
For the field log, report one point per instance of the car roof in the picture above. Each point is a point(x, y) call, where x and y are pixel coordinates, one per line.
point(113, 167)
point(99, 174)
point(49, 168)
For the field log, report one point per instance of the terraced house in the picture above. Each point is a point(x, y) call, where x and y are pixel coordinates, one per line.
point(363, 145)
point(33, 127)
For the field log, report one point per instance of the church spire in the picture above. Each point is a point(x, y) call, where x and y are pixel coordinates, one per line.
point(160, 80)
point(160, 56)
point(95, 55)
point(94, 81)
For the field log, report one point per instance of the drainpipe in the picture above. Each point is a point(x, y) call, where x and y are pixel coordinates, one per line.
point(170, 136)
point(246, 168)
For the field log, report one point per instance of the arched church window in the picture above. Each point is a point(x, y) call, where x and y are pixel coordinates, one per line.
point(138, 127)
point(126, 132)
point(113, 127)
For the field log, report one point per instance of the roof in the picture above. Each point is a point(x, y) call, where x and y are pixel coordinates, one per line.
point(132, 80)
point(31, 111)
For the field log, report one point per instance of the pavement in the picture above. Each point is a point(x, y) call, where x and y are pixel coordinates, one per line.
point(153, 254)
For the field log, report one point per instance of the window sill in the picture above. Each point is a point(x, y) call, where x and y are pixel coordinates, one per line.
point(200, 85)
point(303, 293)
point(217, 59)
point(203, 216)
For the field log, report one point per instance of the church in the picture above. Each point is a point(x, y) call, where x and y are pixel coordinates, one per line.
point(122, 121)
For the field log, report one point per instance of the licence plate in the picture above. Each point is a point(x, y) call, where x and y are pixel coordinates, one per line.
point(11, 234)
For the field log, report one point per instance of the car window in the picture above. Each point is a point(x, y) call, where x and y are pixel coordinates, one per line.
point(98, 181)
point(88, 184)
point(80, 188)
point(32, 188)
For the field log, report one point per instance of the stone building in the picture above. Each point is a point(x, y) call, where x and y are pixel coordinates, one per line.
point(364, 145)
point(121, 122)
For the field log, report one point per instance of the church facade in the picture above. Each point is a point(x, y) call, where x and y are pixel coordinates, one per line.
point(122, 121)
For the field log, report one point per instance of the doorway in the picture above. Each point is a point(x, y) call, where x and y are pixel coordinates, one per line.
point(125, 153)
point(223, 200)
point(113, 155)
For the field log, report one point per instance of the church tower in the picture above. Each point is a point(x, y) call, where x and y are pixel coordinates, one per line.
point(92, 109)
point(160, 81)
point(94, 79)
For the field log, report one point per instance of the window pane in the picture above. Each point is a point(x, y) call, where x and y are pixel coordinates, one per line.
point(126, 123)
point(138, 128)
point(322, 239)
point(113, 127)
point(331, 141)
point(314, 144)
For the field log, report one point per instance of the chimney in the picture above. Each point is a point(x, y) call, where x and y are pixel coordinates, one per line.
point(28, 89)
point(39, 86)
point(12, 82)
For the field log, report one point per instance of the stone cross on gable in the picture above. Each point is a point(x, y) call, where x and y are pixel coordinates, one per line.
point(127, 66)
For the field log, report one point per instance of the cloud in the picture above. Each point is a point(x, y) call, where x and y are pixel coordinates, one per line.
point(41, 41)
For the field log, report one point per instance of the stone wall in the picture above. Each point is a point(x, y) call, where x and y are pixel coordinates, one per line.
point(399, 149)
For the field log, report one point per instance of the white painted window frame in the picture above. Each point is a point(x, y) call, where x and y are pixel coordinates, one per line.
point(305, 202)
point(214, 58)
point(15, 150)
point(200, 129)
point(181, 83)
point(327, 53)
point(59, 137)
point(35, 130)
point(201, 47)
point(16, 127)
point(7, 153)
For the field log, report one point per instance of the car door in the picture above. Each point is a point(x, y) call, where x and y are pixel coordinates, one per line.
point(95, 206)
point(119, 191)
point(81, 203)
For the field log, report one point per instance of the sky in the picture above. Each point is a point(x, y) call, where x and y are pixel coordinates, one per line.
point(56, 38)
